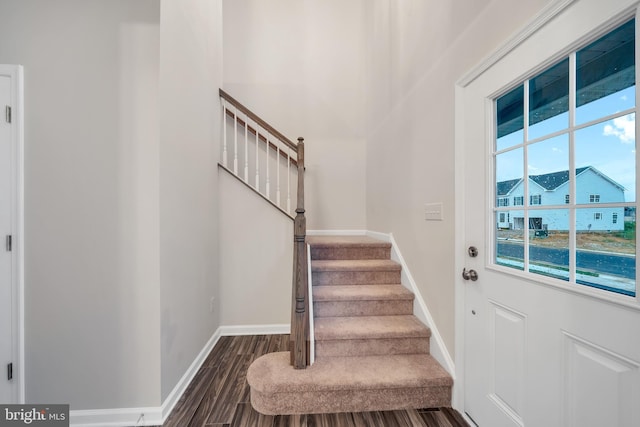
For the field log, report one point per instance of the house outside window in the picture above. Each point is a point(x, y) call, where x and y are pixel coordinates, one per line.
point(568, 132)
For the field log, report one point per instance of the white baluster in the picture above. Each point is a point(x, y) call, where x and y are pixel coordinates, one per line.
point(278, 174)
point(288, 181)
point(257, 159)
point(224, 133)
point(246, 150)
point(235, 142)
point(268, 190)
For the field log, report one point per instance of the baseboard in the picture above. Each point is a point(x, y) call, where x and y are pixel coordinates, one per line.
point(151, 416)
point(421, 311)
point(255, 329)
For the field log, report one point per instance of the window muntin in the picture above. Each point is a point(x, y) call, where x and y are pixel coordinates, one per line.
point(576, 154)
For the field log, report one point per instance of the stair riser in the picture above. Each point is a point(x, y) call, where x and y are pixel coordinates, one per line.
point(351, 253)
point(318, 402)
point(362, 308)
point(328, 278)
point(372, 347)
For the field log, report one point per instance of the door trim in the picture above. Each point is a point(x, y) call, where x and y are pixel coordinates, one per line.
point(15, 73)
point(549, 12)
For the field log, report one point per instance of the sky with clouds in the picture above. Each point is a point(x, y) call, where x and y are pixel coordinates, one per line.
point(609, 146)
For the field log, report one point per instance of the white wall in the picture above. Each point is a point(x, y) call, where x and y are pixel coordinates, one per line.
point(300, 66)
point(91, 195)
point(417, 50)
point(256, 262)
point(190, 75)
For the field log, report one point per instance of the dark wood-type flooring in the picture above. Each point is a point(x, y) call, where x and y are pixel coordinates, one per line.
point(218, 396)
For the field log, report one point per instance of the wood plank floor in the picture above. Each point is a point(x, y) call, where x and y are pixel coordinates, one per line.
point(218, 396)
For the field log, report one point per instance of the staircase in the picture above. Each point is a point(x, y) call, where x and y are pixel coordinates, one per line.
point(372, 353)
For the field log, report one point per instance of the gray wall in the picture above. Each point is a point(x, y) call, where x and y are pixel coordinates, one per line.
point(300, 66)
point(91, 192)
point(190, 75)
point(256, 262)
point(121, 113)
point(417, 51)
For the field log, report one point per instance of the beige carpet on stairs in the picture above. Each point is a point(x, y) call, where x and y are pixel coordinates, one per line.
point(372, 353)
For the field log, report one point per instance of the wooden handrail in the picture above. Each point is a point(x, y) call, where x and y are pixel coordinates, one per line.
point(300, 304)
point(257, 119)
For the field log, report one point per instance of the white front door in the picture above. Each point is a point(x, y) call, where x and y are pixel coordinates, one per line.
point(9, 363)
point(541, 349)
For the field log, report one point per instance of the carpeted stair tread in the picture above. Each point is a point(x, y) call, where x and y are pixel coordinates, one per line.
point(332, 241)
point(348, 247)
point(361, 293)
point(355, 265)
point(369, 327)
point(272, 373)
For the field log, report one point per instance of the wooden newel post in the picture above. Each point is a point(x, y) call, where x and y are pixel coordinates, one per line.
point(300, 312)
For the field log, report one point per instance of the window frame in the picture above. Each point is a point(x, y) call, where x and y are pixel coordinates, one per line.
point(570, 199)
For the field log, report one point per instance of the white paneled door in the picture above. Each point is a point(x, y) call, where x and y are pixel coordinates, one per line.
point(9, 289)
point(540, 349)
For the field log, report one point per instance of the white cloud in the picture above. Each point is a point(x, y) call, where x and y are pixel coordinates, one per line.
point(623, 128)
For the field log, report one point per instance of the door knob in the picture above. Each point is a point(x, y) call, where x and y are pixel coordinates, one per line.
point(469, 275)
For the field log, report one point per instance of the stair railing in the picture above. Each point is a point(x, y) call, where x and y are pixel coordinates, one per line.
point(256, 153)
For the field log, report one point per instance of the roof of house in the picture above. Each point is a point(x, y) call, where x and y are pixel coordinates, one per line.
point(548, 181)
point(553, 180)
point(504, 187)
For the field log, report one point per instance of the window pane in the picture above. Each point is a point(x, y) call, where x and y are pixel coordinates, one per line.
point(509, 173)
point(510, 119)
point(510, 239)
point(605, 251)
point(548, 165)
point(605, 77)
point(549, 243)
point(549, 101)
point(605, 162)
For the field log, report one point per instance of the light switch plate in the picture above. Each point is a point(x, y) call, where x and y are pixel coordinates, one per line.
point(433, 211)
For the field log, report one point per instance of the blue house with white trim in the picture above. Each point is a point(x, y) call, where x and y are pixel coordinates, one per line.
point(552, 189)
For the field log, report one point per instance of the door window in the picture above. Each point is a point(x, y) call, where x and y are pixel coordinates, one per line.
point(565, 146)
